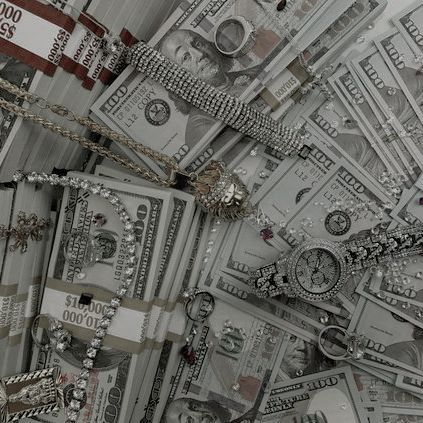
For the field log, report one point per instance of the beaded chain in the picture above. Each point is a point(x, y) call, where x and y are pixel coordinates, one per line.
point(214, 102)
point(74, 407)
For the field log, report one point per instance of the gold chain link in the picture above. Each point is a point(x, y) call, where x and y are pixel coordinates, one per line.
point(88, 123)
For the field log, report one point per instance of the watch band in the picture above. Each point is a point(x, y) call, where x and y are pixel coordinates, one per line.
point(247, 42)
point(361, 253)
point(216, 103)
point(384, 247)
point(270, 281)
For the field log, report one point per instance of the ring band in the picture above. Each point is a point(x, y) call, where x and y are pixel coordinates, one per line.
point(221, 38)
point(355, 344)
point(60, 338)
point(204, 311)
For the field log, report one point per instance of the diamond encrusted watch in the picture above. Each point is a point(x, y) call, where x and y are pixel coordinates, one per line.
point(317, 269)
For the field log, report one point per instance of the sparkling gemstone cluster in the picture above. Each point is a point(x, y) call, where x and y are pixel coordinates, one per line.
point(218, 104)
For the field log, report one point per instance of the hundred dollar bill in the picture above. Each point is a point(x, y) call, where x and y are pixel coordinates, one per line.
point(107, 391)
point(408, 209)
point(408, 72)
point(335, 123)
point(167, 342)
point(327, 396)
point(325, 205)
point(403, 297)
point(392, 343)
point(369, 118)
point(402, 415)
point(246, 250)
point(354, 19)
point(293, 181)
point(177, 231)
point(386, 394)
point(410, 23)
point(137, 105)
point(235, 354)
point(148, 208)
point(386, 91)
point(300, 318)
point(319, 53)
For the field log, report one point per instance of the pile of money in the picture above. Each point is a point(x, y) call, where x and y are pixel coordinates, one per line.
point(78, 73)
point(317, 66)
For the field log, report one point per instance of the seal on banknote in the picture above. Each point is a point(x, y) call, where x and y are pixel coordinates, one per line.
point(157, 112)
point(338, 223)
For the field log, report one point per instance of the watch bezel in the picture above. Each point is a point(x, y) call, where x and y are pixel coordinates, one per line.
point(337, 249)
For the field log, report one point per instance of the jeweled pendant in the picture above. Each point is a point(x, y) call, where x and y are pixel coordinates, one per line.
point(30, 394)
point(221, 192)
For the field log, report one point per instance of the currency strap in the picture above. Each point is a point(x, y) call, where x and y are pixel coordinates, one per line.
point(21, 21)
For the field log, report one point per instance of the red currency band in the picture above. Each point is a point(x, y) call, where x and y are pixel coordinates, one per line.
point(51, 25)
point(115, 62)
point(47, 12)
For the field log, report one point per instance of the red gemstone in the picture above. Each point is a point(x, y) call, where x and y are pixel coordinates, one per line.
point(421, 201)
point(266, 234)
point(188, 352)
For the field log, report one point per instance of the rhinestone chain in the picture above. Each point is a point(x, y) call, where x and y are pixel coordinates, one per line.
point(74, 407)
point(216, 103)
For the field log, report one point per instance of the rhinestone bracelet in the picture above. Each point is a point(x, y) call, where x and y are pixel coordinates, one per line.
point(74, 407)
point(216, 103)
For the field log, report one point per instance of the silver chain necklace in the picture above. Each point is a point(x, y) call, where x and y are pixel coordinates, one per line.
point(74, 407)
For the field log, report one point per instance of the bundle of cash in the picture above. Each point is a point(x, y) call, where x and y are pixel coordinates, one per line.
point(73, 73)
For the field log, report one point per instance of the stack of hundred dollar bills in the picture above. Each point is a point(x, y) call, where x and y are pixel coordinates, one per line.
point(256, 360)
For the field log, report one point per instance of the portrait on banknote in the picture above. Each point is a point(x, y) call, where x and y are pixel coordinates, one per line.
point(199, 56)
point(301, 358)
point(409, 352)
point(193, 410)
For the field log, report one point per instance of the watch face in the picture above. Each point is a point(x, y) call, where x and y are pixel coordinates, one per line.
point(317, 269)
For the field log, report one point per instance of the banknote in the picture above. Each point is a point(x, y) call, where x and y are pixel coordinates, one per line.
point(177, 231)
point(280, 86)
point(402, 415)
point(408, 209)
point(409, 23)
point(334, 121)
point(369, 117)
point(386, 394)
point(408, 72)
point(302, 319)
point(295, 178)
point(108, 389)
point(402, 298)
point(324, 396)
point(159, 359)
point(356, 17)
point(235, 353)
point(147, 206)
point(324, 207)
point(137, 105)
point(391, 342)
point(386, 91)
